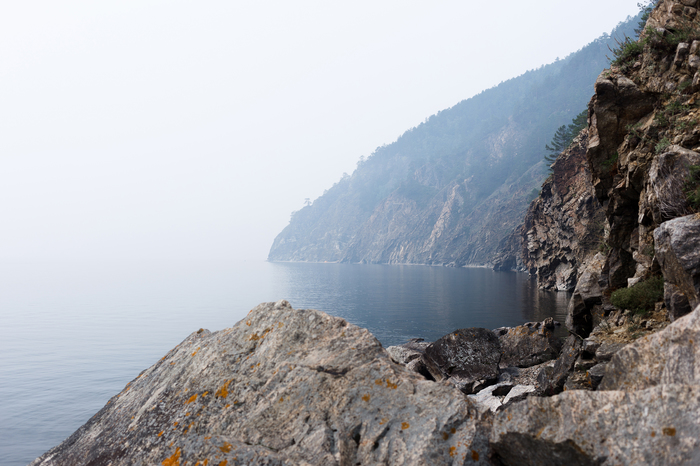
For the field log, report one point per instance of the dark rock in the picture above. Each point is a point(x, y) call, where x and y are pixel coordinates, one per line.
point(670, 356)
point(676, 302)
point(468, 358)
point(587, 294)
point(528, 345)
point(677, 246)
point(657, 426)
point(552, 382)
point(595, 374)
point(577, 381)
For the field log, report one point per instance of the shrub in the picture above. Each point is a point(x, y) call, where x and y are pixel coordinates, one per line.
point(641, 297)
point(626, 51)
point(691, 189)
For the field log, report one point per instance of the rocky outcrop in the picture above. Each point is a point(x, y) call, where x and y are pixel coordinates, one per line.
point(565, 224)
point(281, 387)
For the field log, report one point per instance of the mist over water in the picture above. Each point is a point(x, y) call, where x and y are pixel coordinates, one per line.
point(74, 334)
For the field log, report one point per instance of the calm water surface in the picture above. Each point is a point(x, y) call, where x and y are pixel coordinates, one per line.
point(73, 335)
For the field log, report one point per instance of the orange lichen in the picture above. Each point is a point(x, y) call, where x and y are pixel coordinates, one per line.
point(205, 393)
point(223, 463)
point(197, 350)
point(192, 398)
point(365, 397)
point(475, 455)
point(453, 430)
point(383, 421)
point(174, 460)
point(653, 433)
point(247, 322)
point(281, 399)
point(280, 325)
point(445, 435)
point(228, 405)
point(453, 450)
point(187, 413)
point(223, 390)
point(670, 431)
point(160, 433)
point(225, 448)
point(378, 381)
point(405, 425)
point(390, 385)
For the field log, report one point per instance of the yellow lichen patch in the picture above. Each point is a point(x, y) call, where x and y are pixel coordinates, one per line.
point(390, 385)
point(197, 350)
point(172, 363)
point(445, 435)
point(405, 425)
point(670, 431)
point(160, 433)
point(280, 325)
point(475, 455)
point(223, 463)
point(227, 406)
point(247, 322)
point(453, 450)
point(378, 382)
point(223, 390)
point(453, 430)
point(653, 433)
point(365, 397)
point(175, 423)
point(191, 399)
point(225, 448)
point(383, 421)
point(187, 413)
point(174, 460)
point(205, 393)
point(188, 428)
point(207, 437)
point(281, 399)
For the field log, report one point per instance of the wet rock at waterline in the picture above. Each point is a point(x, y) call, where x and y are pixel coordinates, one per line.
point(281, 387)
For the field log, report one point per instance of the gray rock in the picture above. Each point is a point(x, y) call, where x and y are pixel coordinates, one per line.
point(551, 381)
point(666, 357)
point(281, 387)
point(468, 358)
point(403, 354)
point(607, 350)
point(491, 398)
point(677, 246)
point(518, 393)
point(676, 302)
point(528, 345)
point(657, 426)
point(595, 374)
point(587, 294)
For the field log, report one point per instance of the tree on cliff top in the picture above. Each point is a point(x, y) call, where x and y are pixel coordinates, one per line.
point(564, 136)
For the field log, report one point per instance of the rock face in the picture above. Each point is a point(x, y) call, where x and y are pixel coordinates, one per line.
point(565, 224)
point(678, 253)
point(467, 358)
point(281, 387)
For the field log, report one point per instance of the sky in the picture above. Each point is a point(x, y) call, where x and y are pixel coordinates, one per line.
point(152, 130)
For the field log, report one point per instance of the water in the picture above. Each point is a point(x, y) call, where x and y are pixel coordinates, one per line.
point(73, 335)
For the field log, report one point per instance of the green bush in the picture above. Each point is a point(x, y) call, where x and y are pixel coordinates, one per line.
point(691, 189)
point(641, 297)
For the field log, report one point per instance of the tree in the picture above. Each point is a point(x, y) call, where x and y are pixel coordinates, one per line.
point(564, 135)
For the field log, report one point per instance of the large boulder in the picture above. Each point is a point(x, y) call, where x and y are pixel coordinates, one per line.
point(528, 345)
point(551, 379)
point(677, 248)
point(671, 356)
point(656, 426)
point(468, 358)
point(587, 294)
point(281, 387)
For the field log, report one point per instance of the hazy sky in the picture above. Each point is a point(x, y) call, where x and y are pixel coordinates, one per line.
point(172, 129)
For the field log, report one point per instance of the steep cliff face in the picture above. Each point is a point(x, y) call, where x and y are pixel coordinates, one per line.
point(449, 191)
point(643, 140)
point(565, 224)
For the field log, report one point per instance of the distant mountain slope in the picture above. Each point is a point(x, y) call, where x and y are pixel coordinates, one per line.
point(449, 190)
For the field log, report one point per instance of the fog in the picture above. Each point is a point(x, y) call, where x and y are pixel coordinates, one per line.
point(148, 130)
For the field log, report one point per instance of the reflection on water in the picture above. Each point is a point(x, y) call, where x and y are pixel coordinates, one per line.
point(75, 334)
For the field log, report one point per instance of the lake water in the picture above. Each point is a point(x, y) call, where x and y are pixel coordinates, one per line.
point(73, 335)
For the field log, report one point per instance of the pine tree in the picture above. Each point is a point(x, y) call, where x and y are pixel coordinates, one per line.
point(564, 136)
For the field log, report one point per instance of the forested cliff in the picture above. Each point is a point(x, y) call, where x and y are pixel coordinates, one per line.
point(451, 189)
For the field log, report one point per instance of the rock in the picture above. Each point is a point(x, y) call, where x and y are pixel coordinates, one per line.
point(281, 387)
point(677, 246)
point(666, 357)
point(607, 349)
point(676, 302)
point(490, 398)
point(468, 358)
point(657, 426)
point(587, 294)
point(526, 346)
point(595, 374)
point(518, 393)
point(551, 381)
point(413, 349)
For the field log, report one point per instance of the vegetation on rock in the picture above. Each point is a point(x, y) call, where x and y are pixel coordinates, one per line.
point(641, 297)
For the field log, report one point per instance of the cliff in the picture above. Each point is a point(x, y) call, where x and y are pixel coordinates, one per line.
point(449, 191)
